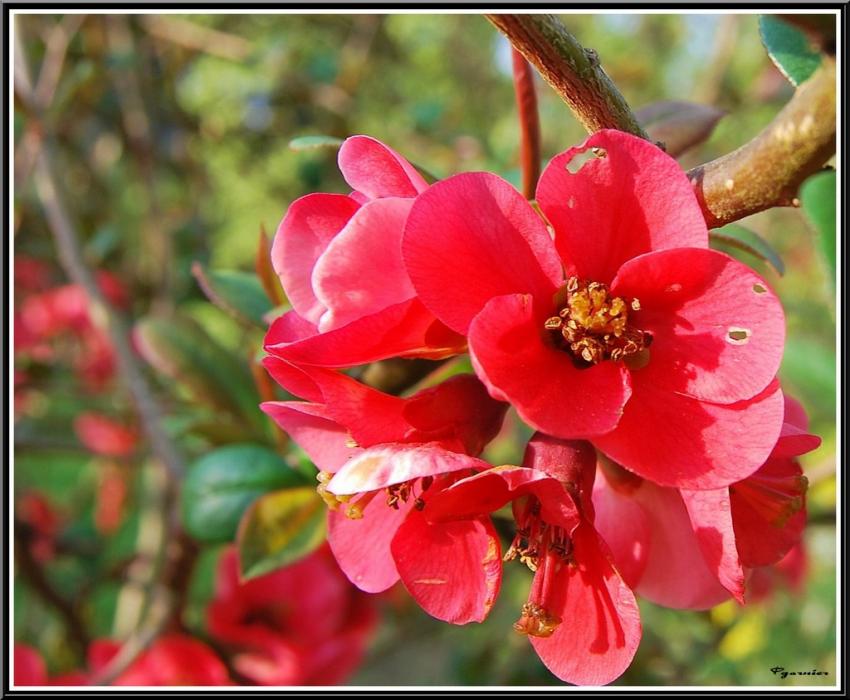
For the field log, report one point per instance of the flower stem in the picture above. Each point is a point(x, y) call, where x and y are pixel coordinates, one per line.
point(529, 124)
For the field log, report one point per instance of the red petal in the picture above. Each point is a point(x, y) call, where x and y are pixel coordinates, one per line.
point(347, 281)
point(769, 511)
point(458, 408)
point(370, 416)
point(634, 200)
point(452, 569)
point(483, 493)
point(795, 414)
point(624, 526)
point(678, 441)
point(711, 519)
point(29, 667)
point(718, 331)
point(326, 442)
point(572, 462)
point(794, 440)
point(310, 224)
point(376, 170)
point(473, 237)
point(675, 574)
point(294, 379)
point(600, 629)
point(287, 329)
point(406, 330)
point(384, 465)
point(548, 391)
point(362, 546)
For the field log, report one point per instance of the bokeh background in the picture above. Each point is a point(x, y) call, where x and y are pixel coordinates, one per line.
point(172, 143)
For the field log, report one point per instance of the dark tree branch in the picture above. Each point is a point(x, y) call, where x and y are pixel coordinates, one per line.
point(573, 71)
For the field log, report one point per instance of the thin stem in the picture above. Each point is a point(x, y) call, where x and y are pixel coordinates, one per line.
point(573, 71)
point(529, 123)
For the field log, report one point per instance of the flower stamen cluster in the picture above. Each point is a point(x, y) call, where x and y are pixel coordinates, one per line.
point(593, 325)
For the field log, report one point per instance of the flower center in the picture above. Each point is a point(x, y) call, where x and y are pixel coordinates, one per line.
point(544, 549)
point(594, 326)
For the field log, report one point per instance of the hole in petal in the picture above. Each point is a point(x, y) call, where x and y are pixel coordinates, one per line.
point(673, 288)
point(579, 159)
point(759, 288)
point(738, 336)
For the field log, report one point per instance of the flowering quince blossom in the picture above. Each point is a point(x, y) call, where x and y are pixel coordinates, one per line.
point(381, 459)
point(693, 549)
point(623, 327)
point(581, 617)
point(304, 624)
point(105, 436)
point(339, 261)
point(174, 659)
point(789, 572)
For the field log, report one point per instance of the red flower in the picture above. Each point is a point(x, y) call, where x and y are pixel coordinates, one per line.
point(789, 572)
point(171, 660)
point(35, 512)
point(625, 328)
point(339, 261)
point(692, 549)
point(104, 436)
point(581, 617)
point(303, 624)
point(29, 666)
point(376, 443)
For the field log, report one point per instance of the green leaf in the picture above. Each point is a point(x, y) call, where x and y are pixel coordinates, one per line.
point(740, 238)
point(808, 371)
point(789, 49)
point(309, 143)
point(280, 528)
point(678, 125)
point(179, 348)
point(240, 294)
point(817, 197)
point(223, 483)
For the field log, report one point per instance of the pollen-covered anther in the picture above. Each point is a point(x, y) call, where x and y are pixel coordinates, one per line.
point(593, 326)
point(535, 621)
point(398, 492)
point(331, 499)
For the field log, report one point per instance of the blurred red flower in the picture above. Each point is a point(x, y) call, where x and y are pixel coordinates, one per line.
point(175, 659)
point(105, 436)
point(303, 624)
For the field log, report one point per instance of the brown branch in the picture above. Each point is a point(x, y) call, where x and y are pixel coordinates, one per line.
point(529, 123)
point(196, 37)
point(573, 71)
point(768, 171)
point(764, 173)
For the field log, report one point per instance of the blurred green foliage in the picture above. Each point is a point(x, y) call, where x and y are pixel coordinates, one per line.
point(173, 153)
